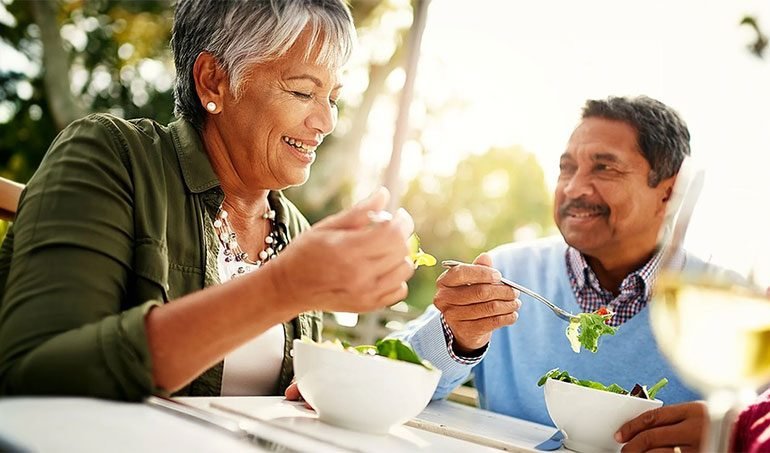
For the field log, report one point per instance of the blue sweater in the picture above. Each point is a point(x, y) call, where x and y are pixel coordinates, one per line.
point(519, 354)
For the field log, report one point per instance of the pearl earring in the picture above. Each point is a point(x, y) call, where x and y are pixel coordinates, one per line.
point(211, 106)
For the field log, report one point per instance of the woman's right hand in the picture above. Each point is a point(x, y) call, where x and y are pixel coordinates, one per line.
point(347, 263)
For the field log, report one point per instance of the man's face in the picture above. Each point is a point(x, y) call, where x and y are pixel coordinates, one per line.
point(603, 205)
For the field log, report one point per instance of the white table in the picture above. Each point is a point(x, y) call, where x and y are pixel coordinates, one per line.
point(84, 425)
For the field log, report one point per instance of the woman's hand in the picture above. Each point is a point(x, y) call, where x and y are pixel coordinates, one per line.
point(347, 263)
point(292, 394)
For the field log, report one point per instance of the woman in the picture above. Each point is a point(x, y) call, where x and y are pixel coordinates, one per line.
point(751, 432)
point(111, 273)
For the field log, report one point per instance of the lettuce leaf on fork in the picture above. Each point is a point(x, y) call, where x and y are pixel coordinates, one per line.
point(586, 328)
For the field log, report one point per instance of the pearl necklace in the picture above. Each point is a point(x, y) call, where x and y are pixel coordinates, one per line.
point(233, 251)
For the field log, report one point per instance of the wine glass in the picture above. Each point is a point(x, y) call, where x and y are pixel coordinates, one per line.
point(712, 321)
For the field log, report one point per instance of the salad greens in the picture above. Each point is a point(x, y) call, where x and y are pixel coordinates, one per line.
point(396, 349)
point(391, 348)
point(586, 328)
point(639, 391)
point(419, 258)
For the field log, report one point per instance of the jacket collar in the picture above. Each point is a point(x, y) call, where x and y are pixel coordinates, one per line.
point(197, 171)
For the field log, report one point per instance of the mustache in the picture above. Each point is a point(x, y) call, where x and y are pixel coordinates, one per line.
point(581, 203)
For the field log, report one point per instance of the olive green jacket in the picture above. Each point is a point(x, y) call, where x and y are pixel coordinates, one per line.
point(117, 219)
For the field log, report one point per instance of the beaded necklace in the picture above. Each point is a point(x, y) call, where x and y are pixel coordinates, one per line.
point(233, 252)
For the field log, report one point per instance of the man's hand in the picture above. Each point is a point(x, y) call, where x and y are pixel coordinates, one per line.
point(664, 428)
point(474, 303)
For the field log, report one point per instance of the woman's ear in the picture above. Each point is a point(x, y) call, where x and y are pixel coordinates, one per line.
point(211, 82)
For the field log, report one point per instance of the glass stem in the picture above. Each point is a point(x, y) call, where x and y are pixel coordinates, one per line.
point(723, 409)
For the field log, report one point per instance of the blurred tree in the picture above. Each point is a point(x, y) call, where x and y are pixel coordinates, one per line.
point(492, 199)
point(76, 57)
point(63, 59)
point(759, 45)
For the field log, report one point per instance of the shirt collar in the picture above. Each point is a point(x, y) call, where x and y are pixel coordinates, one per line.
point(584, 275)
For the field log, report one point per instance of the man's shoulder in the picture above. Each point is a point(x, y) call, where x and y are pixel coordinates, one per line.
point(695, 265)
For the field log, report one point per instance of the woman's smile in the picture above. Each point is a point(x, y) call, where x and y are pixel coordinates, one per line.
point(304, 146)
point(302, 151)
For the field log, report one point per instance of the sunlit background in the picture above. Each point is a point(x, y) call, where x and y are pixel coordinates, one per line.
point(499, 89)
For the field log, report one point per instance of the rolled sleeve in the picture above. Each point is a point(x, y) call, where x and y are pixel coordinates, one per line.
point(106, 359)
point(450, 339)
point(426, 335)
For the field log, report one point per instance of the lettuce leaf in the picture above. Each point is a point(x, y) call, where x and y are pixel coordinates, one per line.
point(586, 328)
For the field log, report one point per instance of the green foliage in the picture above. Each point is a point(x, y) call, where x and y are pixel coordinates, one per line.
point(484, 204)
point(103, 79)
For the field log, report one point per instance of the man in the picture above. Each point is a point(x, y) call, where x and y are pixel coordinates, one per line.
point(616, 178)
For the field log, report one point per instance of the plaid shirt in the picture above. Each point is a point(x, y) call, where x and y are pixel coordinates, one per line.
point(634, 294)
point(450, 339)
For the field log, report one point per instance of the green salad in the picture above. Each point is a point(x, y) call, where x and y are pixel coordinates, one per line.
point(586, 328)
point(638, 390)
point(391, 348)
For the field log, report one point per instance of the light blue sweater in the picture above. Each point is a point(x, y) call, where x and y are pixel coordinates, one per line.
point(518, 355)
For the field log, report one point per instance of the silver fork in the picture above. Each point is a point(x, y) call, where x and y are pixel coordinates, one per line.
point(558, 311)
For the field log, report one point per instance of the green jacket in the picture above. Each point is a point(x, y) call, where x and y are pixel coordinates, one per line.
point(116, 219)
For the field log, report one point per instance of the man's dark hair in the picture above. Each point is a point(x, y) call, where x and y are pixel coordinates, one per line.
point(662, 135)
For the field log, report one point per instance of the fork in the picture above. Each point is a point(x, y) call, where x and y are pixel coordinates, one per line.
point(558, 311)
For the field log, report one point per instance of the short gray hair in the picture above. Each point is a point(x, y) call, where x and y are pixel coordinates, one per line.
point(240, 33)
point(662, 134)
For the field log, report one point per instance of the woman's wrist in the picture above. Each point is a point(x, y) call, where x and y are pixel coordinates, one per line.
point(279, 286)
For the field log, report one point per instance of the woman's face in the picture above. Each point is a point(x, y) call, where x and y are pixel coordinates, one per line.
point(286, 108)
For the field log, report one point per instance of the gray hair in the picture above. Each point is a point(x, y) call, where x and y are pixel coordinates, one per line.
point(240, 33)
point(662, 134)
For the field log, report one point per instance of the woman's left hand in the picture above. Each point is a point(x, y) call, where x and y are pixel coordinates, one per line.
point(292, 394)
point(679, 426)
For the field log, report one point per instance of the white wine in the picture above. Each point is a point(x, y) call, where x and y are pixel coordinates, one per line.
point(718, 337)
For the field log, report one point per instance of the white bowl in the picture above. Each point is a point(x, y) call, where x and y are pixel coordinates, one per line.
point(590, 417)
point(363, 393)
